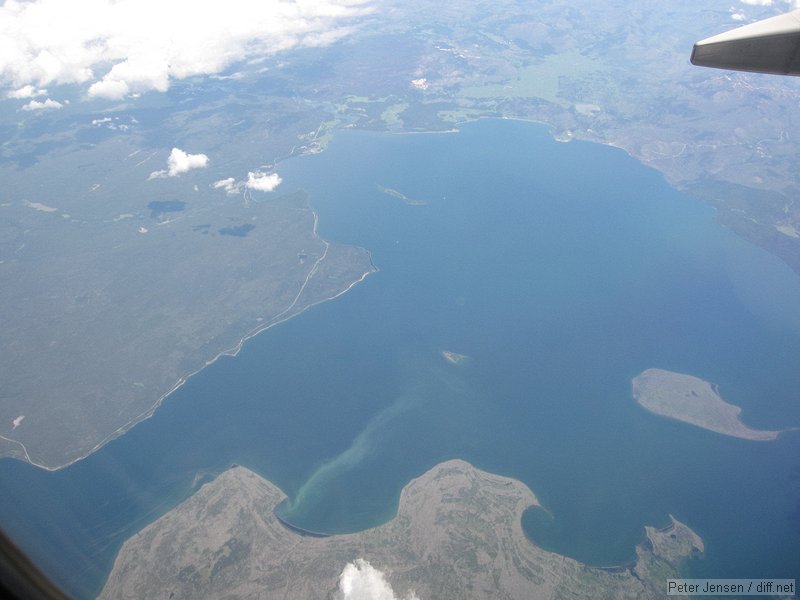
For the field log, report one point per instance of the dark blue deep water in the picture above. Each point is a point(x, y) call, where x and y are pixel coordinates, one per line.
point(562, 271)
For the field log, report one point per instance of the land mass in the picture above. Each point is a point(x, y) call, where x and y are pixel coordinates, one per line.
point(102, 320)
point(692, 400)
point(457, 534)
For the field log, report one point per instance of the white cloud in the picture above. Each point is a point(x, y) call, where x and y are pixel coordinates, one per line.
point(225, 183)
point(37, 105)
point(26, 91)
point(229, 185)
point(361, 581)
point(110, 89)
point(263, 182)
point(738, 16)
point(125, 47)
point(180, 162)
point(256, 180)
point(114, 125)
point(757, 2)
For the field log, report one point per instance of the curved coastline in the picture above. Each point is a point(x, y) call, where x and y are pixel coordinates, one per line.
point(296, 529)
point(456, 528)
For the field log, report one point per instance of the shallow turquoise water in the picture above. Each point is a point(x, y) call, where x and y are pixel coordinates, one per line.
point(561, 270)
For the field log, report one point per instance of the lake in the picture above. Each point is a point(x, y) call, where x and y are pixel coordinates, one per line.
point(561, 271)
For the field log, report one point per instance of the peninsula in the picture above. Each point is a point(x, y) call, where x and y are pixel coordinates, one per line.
point(457, 534)
point(692, 400)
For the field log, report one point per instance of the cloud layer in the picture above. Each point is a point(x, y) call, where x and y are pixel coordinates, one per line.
point(129, 46)
point(361, 581)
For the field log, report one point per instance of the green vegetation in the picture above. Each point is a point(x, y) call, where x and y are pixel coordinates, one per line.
point(538, 80)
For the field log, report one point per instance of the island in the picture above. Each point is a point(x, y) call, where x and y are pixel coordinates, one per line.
point(454, 358)
point(401, 196)
point(692, 400)
point(457, 534)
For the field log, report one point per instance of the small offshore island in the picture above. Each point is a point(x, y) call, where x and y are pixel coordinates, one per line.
point(401, 196)
point(454, 358)
point(692, 400)
point(457, 534)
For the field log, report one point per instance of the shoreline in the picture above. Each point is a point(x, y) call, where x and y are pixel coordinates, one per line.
point(232, 351)
point(299, 530)
point(442, 513)
point(522, 507)
point(436, 131)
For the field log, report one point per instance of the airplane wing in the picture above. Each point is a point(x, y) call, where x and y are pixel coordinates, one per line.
point(768, 46)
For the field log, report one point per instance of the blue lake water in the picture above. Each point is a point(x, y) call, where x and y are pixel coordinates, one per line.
point(562, 271)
